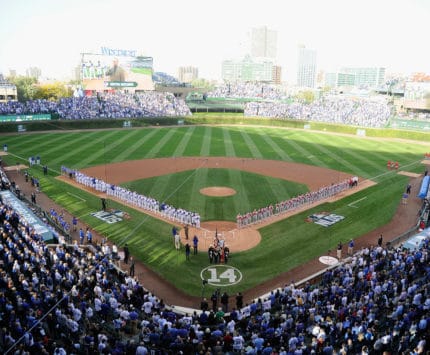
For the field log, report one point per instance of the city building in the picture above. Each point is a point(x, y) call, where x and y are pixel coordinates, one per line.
point(359, 77)
point(77, 73)
point(366, 76)
point(306, 67)
point(320, 77)
point(277, 74)
point(248, 69)
point(188, 74)
point(263, 43)
point(7, 90)
point(337, 79)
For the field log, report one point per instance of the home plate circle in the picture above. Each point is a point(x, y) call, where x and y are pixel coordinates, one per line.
point(328, 260)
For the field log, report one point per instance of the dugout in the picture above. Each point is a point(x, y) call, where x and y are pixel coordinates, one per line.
point(424, 187)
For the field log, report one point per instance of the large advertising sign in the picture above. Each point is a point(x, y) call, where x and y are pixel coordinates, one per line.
point(19, 118)
point(417, 96)
point(116, 69)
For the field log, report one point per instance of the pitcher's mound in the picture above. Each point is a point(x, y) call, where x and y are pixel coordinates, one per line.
point(218, 191)
point(236, 239)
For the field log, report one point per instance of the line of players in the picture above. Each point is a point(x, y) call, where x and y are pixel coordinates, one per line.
point(133, 198)
point(261, 214)
point(193, 218)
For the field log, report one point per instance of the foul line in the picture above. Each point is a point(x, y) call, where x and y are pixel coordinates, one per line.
point(26, 160)
point(393, 171)
point(353, 203)
point(80, 198)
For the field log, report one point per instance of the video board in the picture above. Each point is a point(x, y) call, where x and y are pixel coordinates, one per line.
point(116, 69)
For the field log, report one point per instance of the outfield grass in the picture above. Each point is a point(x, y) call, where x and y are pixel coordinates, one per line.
point(284, 245)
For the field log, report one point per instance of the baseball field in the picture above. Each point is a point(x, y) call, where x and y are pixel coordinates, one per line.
point(284, 244)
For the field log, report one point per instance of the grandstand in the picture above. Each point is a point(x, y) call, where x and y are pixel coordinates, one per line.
point(77, 298)
point(74, 299)
point(109, 105)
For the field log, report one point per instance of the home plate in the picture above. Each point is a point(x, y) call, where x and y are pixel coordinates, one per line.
point(328, 260)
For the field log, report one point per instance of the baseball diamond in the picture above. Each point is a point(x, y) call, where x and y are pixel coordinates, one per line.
point(153, 154)
point(177, 180)
point(293, 175)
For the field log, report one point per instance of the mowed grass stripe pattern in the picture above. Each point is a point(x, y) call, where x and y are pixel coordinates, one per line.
point(353, 155)
point(320, 142)
point(209, 141)
point(250, 143)
point(228, 143)
point(179, 151)
point(281, 154)
point(134, 141)
point(284, 245)
point(206, 142)
point(163, 138)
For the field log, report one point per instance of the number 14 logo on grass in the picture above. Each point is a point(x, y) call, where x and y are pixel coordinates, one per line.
point(221, 275)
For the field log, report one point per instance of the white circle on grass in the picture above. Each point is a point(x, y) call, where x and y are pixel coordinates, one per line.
point(221, 275)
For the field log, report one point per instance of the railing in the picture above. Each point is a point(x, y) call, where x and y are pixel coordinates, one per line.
point(46, 217)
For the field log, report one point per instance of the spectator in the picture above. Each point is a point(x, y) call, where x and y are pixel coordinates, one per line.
point(224, 302)
point(126, 253)
point(380, 239)
point(339, 250)
point(239, 300)
point(187, 251)
point(132, 266)
point(351, 247)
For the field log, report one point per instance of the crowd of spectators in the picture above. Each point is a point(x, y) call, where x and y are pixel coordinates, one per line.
point(165, 79)
point(63, 299)
point(70, 300)
point(264, 213)
point(248, 91)
point(364, 112)
point(60, 220)
point(110, 105)
point(30, 107)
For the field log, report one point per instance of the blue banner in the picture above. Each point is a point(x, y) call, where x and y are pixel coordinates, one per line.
point(424, 187)
point(27, 215)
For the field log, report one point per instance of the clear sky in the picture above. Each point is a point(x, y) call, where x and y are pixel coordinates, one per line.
point(50, 34)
